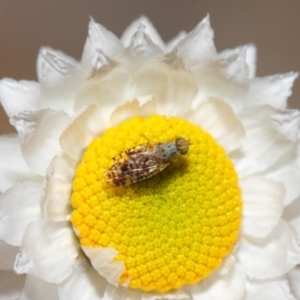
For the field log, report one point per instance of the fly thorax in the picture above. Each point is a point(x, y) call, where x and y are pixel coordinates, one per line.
point(166, 151)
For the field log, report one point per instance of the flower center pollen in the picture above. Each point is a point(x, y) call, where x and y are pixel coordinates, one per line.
point(172, 229)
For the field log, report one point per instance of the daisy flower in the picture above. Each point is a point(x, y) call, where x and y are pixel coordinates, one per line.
point(219, 222)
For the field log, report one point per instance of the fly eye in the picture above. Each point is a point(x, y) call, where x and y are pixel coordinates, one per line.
point(182, 145)
point(184, 150)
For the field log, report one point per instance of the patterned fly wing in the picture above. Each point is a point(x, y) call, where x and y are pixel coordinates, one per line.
point(144, 161)
point(136, 164)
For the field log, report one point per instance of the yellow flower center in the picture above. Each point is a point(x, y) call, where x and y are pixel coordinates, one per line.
point(171, 229)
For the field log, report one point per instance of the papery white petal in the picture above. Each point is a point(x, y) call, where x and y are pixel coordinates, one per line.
point(228, 262)
point(273, 256)
point(113, 292)
point(250, 57)
point(272, 90)
point(19, 205)
point(173, 295)
point(284, 121)
point(39, 134)
point(54, 67)
point(198, 45)
point(141, 46)
point(37, 289)
point(291, 214)
point(84, 284)
point(170, 45)
point(263, 147)
point(275, 289)
point(107, 86)
point(86, 125)
point(101, 64)
point(217, 117)
point(262, 205)
point(229, 286)
point(214, 83)
point(12, 165)
point(99, 38)
point(132, 109)
point(53, 256)
point(294, 279)
point(287, 171)
point(269, 145)
point(11, 285)
point(17, 96)
point(59, 78)
point(102, 259)
point(149, 29)
point(233, 66)
point(56, 202)
point(171, 82)
point(8, 254)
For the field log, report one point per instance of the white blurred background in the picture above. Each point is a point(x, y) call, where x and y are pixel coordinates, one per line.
point(272, 25)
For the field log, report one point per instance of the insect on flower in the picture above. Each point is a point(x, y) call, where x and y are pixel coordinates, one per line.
point(144, 161)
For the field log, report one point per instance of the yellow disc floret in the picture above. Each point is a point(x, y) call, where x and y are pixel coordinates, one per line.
point(171, 229)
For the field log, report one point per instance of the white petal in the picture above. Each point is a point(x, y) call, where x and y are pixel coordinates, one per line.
point(212, 82)
point(250, 57)
point(59, 77)
point(84, 284)
point(54, 67)
point(102, 260)
point(17, 96)
point(150, 30)
point(37, 289)
point(121, 293)
point(174, 41)
point(272, 90)
point(273, 256)
point(233, 66)
point(291, 214)
point(99, 38)
point(264, 144)
point(107, 86)
point(141, 45)
point(274, 129)
point(172, 84)
point(19, 205)
point(198, 45)
point(56, 203)
point(8, 255)
point(287, 171)
point(85, 126)
point(229, 286)
point(287, 123)
point(275, 289)
point(11, 285)
point(12, 165)
point(284, 121)
point(132, 109)
point(294, 280)
point(228, 262)
point(39, 134)
point(217, 117)
point(173, 295)
point(49, 251)
point(262, 205)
